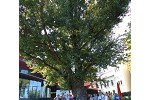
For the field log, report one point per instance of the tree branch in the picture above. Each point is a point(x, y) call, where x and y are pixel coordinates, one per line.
point(91, 39)
point(51, 48)
point(45, 63)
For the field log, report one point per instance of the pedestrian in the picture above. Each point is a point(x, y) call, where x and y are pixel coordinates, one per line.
point(106, 96)
point(113, 95)
point(109, 95)
point(91, 97)
point(63, 97)
point(101, 96)
point(109, 92)
point(70, 97)
point(57, 97)
point(88, 97)
point(67, 97)
point(116, 97)
point(95, 97)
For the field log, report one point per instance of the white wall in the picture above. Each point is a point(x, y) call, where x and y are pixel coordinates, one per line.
point(115, 75)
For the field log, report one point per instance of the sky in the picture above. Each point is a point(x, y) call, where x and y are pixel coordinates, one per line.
point(120, 29)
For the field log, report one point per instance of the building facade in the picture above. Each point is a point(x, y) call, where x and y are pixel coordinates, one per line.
point(113, 75)
point(32, 85)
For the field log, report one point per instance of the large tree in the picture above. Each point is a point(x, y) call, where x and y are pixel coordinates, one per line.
point(69, 39)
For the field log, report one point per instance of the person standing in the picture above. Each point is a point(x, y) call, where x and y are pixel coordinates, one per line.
point(88, 97)
point(101, 96)
point(109, 95)
point(91, 97)
point(116, 97)
point(70, 97)
point(57, 97)
point(63, 97)
point(106, 96)
point(113, 95)
point(67, 97)
point(95, 97)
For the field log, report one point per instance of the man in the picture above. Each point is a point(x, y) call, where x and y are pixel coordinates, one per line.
point(67, 97)
point(63, 97)
point(91, 97)
point(101, 96)
point(95, 97)
point(106, 96)
point(116, 97)
point(57, 97)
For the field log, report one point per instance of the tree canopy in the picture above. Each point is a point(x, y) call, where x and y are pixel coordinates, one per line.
point(69, 39)
point(127, 41)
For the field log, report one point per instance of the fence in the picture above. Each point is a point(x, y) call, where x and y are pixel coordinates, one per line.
point(27, 92)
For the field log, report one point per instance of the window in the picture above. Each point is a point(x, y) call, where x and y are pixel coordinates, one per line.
point(108, 83)
point(24, 71)
point(23, 88)
point(105, 84)
point(101, 85)
point(31, 89)
point(22, 92)
point(112, 82)
point(120, 82)
point(117, 69)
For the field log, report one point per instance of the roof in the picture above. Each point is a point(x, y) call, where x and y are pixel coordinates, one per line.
point(93, 89)
point(90, 83)
point(30, 77)
point(22, 64)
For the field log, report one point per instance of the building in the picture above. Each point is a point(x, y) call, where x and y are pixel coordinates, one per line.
point(111, 76)
point(32, 85)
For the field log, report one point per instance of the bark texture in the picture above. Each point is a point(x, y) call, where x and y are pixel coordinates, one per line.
point(78, 90)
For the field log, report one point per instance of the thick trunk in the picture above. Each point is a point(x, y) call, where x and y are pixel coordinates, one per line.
point(78, 90)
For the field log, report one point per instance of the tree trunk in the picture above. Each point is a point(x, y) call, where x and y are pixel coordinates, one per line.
point(78, 90)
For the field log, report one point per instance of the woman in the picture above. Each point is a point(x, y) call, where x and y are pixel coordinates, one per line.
point(101, 96)
point(91, 97)
point(116, 97)
point(106, 96)
point(109, 95)
point(71, 97)
point(57, 97)
point(63, 97)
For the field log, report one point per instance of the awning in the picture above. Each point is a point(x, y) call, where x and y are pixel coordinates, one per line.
point(22, 64)
point(30, 77)
point(96, 89)
point(90, 83)
point(92, 91)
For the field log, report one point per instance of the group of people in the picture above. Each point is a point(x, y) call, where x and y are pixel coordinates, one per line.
point(63, 97)
point(107, 96)
point(100, 96)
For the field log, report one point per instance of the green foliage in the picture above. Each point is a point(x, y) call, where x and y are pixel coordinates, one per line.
point(34, 94)
point(127, 41)
point(70, 39)
point(23, 82)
